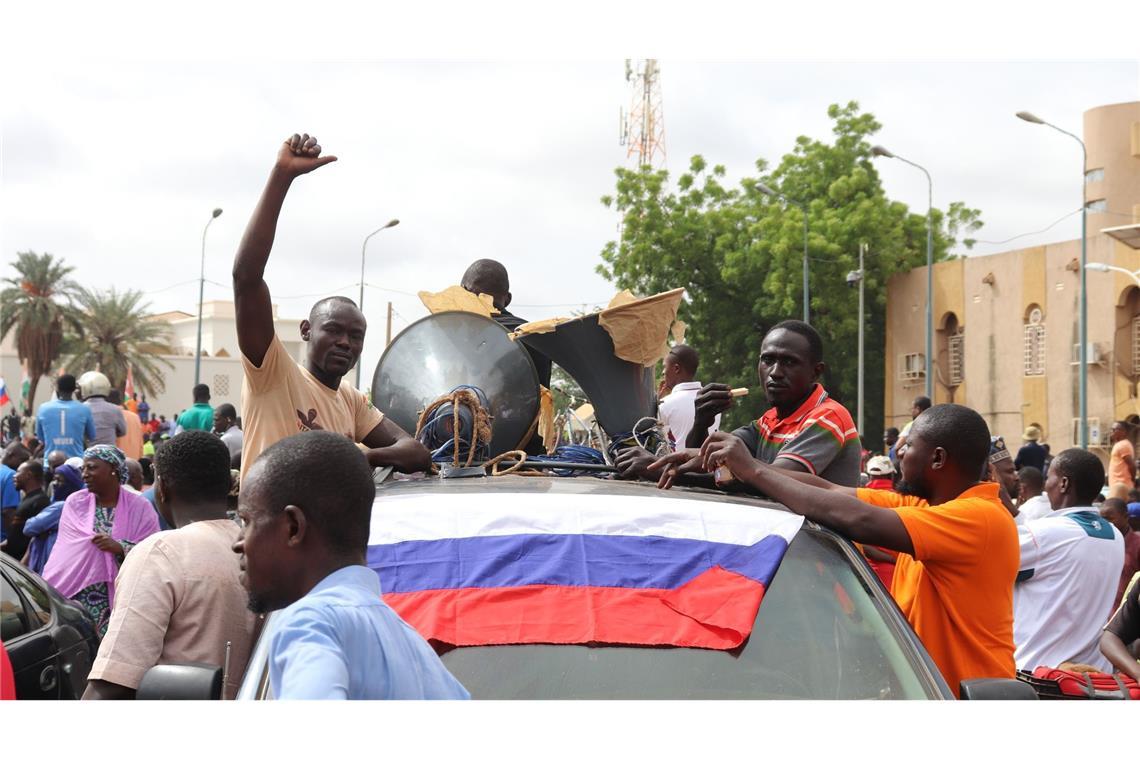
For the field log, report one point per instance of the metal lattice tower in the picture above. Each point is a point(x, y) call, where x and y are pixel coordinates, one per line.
point(643, 128)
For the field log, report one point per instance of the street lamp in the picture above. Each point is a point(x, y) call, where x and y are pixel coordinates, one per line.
point(859, 276)
point(1096, 266)
point(1083, 374)
point(803, 207)
point(201, 289)
point(879, 150)
point(391, 223)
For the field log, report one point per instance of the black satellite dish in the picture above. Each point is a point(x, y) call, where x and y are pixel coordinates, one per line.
point(441, 351)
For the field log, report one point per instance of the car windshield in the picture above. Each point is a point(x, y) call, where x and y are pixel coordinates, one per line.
point(820, 634)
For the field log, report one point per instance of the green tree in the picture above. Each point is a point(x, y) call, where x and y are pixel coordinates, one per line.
point(739, 254)
point(38, 304)
point(117, 333)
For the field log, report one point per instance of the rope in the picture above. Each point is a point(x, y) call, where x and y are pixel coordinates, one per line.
point(464, 395)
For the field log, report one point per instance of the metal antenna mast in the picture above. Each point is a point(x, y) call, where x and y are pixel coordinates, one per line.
point(642, 130)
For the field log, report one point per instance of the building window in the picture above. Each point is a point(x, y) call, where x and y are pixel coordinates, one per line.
point(1034, 345)
point(956, 357)
point(1097, 207)
point(221, 385)
point(1094, 175)
point(912, 366)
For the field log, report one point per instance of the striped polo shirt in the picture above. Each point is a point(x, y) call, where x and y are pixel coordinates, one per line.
point(820, 436)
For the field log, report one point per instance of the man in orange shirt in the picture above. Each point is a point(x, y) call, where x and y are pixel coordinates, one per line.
point(958, 545)
point(1122, 460)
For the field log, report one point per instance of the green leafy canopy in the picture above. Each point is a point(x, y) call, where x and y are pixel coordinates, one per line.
point(739, 255)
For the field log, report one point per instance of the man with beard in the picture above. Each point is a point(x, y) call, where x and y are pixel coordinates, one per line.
point(1000, 470)
point(305, 509)
point(805, 430)
point(958, 546)
point(280, 396)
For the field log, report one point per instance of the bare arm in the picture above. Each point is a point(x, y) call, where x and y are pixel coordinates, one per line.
point(254, 311)
point(711, 400)
point(840, 511)
point(1112, 647)
point(389, 445)
point(106, 690)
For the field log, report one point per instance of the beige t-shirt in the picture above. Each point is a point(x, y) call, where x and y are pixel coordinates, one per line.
point(178, 599)
point(281, 398)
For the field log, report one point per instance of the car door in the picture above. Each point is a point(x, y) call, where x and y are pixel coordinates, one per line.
point(25, 627)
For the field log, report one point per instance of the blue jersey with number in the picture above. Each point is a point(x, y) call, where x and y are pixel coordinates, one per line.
point(63, 425)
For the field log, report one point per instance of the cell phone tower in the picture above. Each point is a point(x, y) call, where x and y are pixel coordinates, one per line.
point(642, 130)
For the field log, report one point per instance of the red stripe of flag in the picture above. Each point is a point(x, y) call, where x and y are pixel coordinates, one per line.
point(715, 610)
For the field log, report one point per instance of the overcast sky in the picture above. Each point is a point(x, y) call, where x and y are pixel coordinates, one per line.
point(116, 166)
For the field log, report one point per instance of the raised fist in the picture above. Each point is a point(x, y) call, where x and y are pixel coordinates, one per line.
point(300, 155)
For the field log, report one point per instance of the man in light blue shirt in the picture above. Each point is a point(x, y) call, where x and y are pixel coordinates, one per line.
point(305, 509)
point(64, 424)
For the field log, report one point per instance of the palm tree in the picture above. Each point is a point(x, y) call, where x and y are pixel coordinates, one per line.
point(118, 334)
point(38, 304)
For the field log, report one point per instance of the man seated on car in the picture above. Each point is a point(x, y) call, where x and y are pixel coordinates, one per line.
point(805, 430)
point(957, 543)
point(179, 598)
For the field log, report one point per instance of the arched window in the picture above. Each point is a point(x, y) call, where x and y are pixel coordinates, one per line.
point(1034, 343)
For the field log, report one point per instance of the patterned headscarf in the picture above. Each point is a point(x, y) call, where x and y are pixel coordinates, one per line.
point(112, 456)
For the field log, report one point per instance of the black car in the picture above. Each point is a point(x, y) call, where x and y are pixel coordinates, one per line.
point(51, 641)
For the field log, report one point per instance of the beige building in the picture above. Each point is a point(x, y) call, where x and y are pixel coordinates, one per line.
point(1006, 339)
point(221, 358)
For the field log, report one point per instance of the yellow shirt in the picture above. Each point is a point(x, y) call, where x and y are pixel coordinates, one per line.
point(957, 589)
point(281, 398)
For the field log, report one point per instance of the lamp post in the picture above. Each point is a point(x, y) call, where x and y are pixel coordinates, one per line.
point(201, 290)
point(859, 276)
point(391, 223)
point(1096, 266)
point(879, 150)
point(803, 207)
point(1082, 321)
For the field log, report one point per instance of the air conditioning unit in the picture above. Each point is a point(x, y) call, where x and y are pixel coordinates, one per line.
point(1094, 354)
point(1094, 431)
point(912, 367)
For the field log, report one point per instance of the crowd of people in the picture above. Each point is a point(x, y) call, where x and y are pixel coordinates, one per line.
point(999, 562)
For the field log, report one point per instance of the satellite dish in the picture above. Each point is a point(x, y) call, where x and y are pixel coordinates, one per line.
point(441, 351)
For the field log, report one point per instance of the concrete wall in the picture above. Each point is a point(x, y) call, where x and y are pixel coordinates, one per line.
point(1112, 138)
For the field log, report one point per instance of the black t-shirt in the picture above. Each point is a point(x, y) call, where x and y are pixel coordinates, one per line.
point(1126, 622)
point(30, 506)
point(1031, 454)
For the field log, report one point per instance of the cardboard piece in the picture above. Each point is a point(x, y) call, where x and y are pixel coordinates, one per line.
point(546, 418)
point(456, 298)
point(639, 328)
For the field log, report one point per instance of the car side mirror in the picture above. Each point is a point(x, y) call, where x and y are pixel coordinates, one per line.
point(181, 682)
point(996, 688)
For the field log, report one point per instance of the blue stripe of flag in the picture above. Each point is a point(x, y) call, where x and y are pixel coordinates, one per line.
point(565, 560)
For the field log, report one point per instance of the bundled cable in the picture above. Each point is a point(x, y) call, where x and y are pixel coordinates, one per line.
point(457, 426)
point(571, 454)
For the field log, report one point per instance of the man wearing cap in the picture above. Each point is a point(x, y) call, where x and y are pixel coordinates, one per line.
point(881, 560)
point(881, 472)
point(1032, 453)
point(999, 469)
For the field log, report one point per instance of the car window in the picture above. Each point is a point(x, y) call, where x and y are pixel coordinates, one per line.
point(13, 620)
point(820, 634)
point(36, 597)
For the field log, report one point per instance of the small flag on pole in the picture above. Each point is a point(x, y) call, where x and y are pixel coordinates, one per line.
point(5, 399)
point(25, 385)
point(129, 388)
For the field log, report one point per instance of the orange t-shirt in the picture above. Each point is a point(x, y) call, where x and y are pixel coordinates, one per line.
point(131, 442)
point(1122, 454)
point(957, 589)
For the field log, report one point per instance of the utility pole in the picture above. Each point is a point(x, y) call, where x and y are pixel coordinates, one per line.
point(388, 332)
point(862, 280)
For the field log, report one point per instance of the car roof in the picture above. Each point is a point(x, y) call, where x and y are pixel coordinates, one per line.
point(584, 485)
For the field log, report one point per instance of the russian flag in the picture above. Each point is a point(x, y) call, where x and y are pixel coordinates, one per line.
point(472, 569)
point(5, 399)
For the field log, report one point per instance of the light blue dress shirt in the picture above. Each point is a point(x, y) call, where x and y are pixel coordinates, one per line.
point(341, 641)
